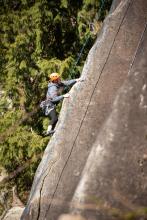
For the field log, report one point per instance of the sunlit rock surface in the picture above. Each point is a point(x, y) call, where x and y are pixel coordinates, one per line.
point(14, 213)
point(95, 164)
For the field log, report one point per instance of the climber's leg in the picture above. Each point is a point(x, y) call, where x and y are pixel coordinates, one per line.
point(54, 118)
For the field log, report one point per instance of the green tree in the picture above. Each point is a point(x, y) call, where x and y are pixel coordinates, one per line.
point(37, 37)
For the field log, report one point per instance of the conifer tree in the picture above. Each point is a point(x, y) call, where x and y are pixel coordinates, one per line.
point(37, 37)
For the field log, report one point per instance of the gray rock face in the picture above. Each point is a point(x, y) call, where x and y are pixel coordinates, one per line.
point(14, 213)
point(115, 172)
point(96, 160)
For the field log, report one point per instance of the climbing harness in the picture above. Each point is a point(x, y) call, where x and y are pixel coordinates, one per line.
point(60, 176)
point(47, 106)
point(2, 137)
point(85, 111)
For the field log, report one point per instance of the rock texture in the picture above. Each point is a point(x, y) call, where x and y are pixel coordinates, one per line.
point(71, 217)
point(115, 172)
point(17, 208)
point(14, 213)
point(95, 163)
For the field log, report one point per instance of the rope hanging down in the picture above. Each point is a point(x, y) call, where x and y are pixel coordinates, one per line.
point(51, 200)
point(11, 129)
point(91, 27)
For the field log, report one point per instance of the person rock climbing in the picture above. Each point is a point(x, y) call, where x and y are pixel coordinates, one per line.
point(54, 95)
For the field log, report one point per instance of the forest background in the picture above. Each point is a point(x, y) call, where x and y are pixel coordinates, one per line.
point(37, 37)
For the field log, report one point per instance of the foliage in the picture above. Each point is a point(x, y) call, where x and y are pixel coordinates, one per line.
point(36, 38)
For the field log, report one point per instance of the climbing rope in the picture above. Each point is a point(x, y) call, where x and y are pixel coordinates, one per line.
point(87, 108)
point(97, 16)
point(3, 136)
point(91, 27)
point(81, 52)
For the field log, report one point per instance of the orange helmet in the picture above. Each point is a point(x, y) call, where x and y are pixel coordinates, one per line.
point(54, 76)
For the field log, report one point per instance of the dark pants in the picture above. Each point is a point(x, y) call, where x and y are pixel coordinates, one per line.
point(54, 118)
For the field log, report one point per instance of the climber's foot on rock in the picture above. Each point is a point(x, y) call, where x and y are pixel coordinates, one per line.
point(48, 133)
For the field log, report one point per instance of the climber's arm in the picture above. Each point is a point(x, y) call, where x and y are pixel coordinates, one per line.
point(52, 95)
point(69, 82)
point(61, 97)
point(57, 98)
point(72, 82)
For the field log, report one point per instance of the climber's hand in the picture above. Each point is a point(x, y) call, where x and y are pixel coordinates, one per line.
point(79, 80)
point(66, 95)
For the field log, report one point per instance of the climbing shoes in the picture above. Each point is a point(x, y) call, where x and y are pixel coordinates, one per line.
point(48, 133)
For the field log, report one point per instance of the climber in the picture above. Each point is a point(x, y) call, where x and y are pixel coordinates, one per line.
point(54, 95)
